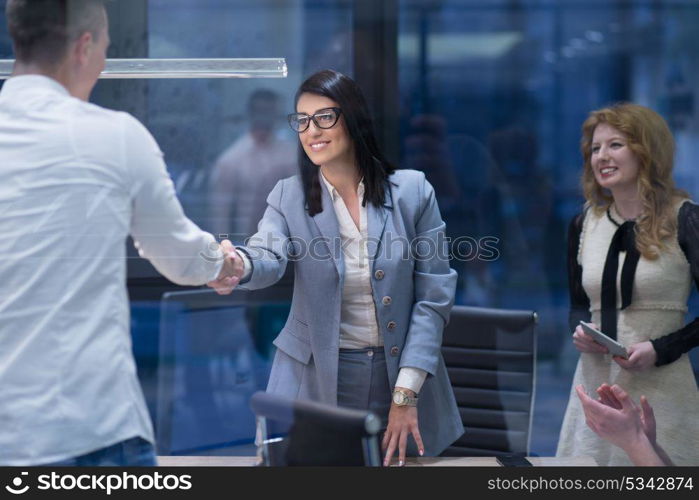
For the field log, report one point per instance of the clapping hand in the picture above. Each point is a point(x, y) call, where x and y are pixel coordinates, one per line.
point(617, 419)
point(231, 272)
point(614, 417)
point(608, 397)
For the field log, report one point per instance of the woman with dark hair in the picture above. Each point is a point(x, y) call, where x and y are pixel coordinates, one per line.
point(372, 284)
point(632, 255)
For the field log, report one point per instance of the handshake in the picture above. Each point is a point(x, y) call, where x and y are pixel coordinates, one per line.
point(232, 271)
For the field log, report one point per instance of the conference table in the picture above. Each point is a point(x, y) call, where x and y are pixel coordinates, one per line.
point(249, 461)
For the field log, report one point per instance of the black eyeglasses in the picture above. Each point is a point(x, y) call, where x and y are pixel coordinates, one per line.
point(323, 118)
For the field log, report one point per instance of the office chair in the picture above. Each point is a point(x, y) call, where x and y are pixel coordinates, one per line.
point(317, 434)
point(213, 356)
point(490, 356)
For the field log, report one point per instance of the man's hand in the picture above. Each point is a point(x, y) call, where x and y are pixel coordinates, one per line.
point(231, 272)
point(402, 421)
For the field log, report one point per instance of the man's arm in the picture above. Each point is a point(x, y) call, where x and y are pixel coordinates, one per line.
point(177, 247)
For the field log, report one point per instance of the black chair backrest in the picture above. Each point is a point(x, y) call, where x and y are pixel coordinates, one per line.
point(318, 434)
point(490, 355)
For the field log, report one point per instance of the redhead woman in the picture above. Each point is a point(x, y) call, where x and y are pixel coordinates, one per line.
point(632, 255)
point(372, 284)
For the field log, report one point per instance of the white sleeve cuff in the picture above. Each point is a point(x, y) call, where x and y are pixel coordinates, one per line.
point(247, 267)
point(411, 378)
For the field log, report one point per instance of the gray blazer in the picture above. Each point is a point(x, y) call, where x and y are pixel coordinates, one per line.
point(409, 260)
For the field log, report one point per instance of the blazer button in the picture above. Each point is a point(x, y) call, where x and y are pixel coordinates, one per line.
point(387, 301)
point(391, 325)
point(394, 350)
point(379, 274)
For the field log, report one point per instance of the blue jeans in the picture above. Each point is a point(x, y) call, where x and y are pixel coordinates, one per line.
point(132, 452)
point(362, 381)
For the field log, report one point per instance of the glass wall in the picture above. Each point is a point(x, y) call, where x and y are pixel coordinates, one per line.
point(493, 95)
point(490, 99)
point(227, 140)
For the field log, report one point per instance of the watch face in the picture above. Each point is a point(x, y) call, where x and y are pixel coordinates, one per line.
point(398, 398)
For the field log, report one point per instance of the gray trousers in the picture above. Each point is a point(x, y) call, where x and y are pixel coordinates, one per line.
point(362, 381)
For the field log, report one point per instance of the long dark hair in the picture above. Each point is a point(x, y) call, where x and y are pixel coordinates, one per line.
point(372, 164)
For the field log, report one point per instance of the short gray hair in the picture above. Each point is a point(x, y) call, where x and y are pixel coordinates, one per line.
point(41, 30)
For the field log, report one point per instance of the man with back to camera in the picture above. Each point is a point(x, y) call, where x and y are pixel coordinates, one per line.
point(75, 181)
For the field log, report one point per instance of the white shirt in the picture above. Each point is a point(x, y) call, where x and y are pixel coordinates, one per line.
point(358, 326)
point(75, 181)
point(241, 179)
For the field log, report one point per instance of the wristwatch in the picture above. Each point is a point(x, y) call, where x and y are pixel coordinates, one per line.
point(402, 398)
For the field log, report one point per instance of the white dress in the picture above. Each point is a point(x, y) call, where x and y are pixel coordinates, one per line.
point(660, 291)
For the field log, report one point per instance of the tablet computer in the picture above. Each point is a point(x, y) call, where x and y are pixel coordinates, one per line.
point(614, 347)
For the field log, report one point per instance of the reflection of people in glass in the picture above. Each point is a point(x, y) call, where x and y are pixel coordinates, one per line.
point(366, 320)
point(426, 149)
point(617, 419)
point(248, 170)
point(517, 205)
point(632, 254)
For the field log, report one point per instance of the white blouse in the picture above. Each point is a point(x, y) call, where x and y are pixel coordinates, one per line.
point(358, 325)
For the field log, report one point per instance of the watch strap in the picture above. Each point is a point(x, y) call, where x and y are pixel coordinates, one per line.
point(407, 399)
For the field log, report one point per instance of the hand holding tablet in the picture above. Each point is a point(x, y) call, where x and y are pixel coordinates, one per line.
point(615, 348)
